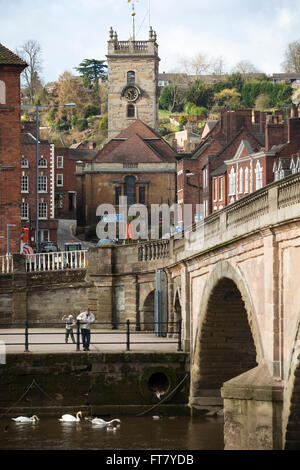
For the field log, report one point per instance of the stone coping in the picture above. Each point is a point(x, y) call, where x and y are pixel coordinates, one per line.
point(256, 384)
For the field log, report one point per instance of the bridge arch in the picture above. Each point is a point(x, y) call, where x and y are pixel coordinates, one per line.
point(291, 401)
point(228, 342)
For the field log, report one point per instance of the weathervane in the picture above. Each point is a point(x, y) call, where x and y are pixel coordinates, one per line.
point(133, 17)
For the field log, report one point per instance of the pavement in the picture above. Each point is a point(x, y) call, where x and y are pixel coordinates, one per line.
point(111, 341)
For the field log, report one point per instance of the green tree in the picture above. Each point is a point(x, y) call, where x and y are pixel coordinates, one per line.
point(172, 98)
point(91, 70)
point(199, 94)
point(228, 98)
point(103, 123)
point(263, 102)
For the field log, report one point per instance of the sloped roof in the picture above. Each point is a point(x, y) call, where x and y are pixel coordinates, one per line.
point(8, 57)
point(137, 144)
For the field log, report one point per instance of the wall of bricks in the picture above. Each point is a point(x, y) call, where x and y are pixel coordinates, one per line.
point(10, 159)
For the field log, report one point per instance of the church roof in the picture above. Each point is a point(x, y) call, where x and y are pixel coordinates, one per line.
point(7, 57)
point(137, 144)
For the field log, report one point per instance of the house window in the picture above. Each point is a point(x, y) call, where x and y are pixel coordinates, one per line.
point(43, 210)
point(60, 162)
point(24, 210)
point(44, 236)
point(215, 189)
point(241, 181)
point(59, 179)
point(205, 178)
point(258, 176)
point(24, 184)
point(130, 190)
point(246, 180)
point(130, 77)
point(118, 194)
point(2, 92)
point(142, 194)
point(42, 162)
point(42, 184)
point(130, 111)
point(24, 162)
point(232, 182)
point(221, 188)
point(205, 208)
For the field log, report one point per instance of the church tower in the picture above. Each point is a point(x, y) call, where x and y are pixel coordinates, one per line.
point(132, 82)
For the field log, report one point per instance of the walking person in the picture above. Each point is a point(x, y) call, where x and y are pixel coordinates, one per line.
point(86, 318)
point(69, 327)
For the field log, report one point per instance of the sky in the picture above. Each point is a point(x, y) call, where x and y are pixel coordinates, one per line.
point(72, 30)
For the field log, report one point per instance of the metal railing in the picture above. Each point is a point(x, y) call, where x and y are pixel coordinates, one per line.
point(56, 261)
point(127, 332)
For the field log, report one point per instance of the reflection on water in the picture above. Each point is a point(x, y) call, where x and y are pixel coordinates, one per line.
point(172, 433)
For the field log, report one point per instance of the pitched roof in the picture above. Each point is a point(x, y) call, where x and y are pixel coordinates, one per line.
point(7, 57)
point(137, 144)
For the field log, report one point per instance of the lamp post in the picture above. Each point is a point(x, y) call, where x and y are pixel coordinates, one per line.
point(8, 237)
point(39, 108)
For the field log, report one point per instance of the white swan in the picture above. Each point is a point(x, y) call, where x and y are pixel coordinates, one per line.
point(71, 419)
point(101, 422)
point(24, 419)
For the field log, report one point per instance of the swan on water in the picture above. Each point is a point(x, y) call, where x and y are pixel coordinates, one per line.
point(24, 419)
point(71, 419)
point(101, 422)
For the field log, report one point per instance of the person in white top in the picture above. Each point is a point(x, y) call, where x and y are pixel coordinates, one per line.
point(86, 318)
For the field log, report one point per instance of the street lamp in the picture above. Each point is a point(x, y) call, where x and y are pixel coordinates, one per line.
point(8, 237)
point(39, 108)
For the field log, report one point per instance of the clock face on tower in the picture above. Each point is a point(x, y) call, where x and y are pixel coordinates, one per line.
point(131, 93)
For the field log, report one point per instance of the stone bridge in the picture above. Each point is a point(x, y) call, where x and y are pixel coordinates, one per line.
point(233, 282)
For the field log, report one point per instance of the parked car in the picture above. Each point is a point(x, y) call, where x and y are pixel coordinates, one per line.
point(48, 247)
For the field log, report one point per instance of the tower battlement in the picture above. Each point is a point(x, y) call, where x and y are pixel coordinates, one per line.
point(149, 47)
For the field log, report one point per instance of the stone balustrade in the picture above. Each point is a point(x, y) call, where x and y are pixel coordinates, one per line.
point(153, 250)
point(6, 264)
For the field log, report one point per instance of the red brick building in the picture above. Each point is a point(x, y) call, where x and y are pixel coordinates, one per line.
point(11, 67)
point(46, 215)
point(250, 170)
point(194, 181)
point(65, 161)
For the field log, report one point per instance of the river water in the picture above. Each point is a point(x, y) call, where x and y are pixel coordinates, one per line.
point(134, 433)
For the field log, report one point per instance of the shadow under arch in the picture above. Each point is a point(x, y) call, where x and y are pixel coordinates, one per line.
point(291, 401)
point(228, 342)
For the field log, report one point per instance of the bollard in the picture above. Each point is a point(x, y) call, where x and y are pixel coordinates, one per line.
point(128, 335)
point(26, 336)
point(78, 335)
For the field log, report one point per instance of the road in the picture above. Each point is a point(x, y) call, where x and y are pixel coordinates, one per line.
point(65, 234)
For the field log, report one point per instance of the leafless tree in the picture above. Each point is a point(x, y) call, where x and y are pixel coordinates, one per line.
point(30, 51)
point(291, 61)
point(246, 69)
point(197, 65)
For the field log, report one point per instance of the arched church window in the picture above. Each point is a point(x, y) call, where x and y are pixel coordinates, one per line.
point(130, 190)
point(2, 92)
point(131, 111)
point(131, 77)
